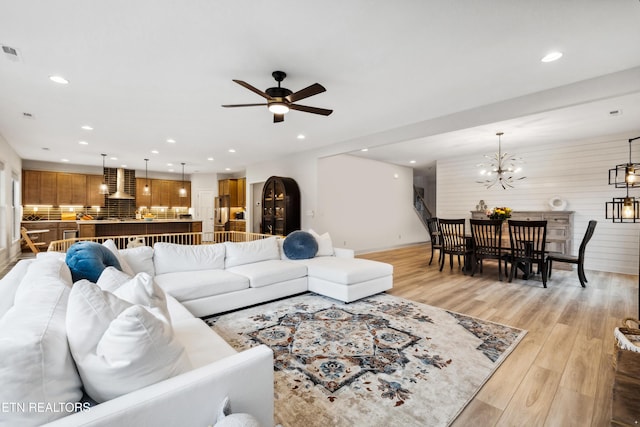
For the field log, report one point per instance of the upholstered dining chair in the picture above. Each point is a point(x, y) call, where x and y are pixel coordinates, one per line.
point(487, 243)
point(434, 233)
point(579, 260)
point(454, 242)
point(528, 241)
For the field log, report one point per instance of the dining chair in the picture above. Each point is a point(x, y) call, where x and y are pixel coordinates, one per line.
point(528, 240)
point(434, 233)
point(454, 242)
point(579, 260)
point(487, 243)
point(32, 243)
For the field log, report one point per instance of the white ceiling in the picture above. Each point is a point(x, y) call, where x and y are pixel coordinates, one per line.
point(141, 72)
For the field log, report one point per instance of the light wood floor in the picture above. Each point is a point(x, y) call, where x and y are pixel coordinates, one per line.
point(561, 373)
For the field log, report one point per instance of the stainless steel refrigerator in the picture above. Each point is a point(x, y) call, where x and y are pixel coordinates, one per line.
point(221, 213)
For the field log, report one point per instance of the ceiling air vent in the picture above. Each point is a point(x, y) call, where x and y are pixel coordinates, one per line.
point(10, 53)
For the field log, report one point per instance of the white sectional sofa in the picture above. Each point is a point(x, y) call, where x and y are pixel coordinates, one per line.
point(210, 279)
point(197, 280)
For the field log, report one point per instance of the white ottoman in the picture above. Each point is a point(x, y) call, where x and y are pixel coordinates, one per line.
point(348, 279)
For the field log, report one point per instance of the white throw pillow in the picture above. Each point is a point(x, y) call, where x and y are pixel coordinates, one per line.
point(36, 365)
point(173, 258)
point(119, 347)
point(140, 259)
point(144, 291)
point(250, 252)
point(111, 279)
point(325, 245)
point(111, 245)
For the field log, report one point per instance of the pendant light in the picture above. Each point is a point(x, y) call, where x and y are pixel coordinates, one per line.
point(183, 191)
point(104, 187)
point(501, 168)
point(147, 190)
point(625, 175)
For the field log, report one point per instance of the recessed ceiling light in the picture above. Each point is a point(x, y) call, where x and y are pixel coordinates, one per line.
point(64, 160)
point(412, 161)
point(169, 164)
point(123, 166)
point(364, 149)
point(113, 158)
point(231, 150)
point(86, 127)
point(155, 152)
point(227, 169)
point(210, 159)
point(171, 141)
point(170, 170)
point(552, 56)
point(300, 136)
point(59, 79)
point(83, 143)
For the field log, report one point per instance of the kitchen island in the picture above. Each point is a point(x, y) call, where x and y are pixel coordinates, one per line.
point(100, 228)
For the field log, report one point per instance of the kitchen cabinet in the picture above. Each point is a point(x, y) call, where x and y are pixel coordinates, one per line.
point(229, 187)
point(176, 200)
point(237, 225)
point(143, 200)
point(280, 206)
point(94, 198)
point(39, 188)
point(71, 189)
point(242, 192)
point(236, 190)
point(161, 192)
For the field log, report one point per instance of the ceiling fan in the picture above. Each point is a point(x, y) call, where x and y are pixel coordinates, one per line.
point(280, 99)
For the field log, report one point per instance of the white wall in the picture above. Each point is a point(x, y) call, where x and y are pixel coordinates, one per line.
point(367, 205)
point(12, 166)
point(576, 171)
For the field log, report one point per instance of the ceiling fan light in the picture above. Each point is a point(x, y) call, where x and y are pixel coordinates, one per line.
point(278, 108)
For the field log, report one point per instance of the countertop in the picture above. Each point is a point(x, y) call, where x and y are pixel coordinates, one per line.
point(111, 221)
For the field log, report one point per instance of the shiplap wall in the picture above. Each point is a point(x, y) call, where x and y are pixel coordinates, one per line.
point(575, 171)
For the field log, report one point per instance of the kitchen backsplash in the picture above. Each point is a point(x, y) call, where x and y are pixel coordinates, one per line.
point(116, 210)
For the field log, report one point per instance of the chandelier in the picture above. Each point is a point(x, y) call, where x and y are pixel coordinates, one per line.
point(500, 168)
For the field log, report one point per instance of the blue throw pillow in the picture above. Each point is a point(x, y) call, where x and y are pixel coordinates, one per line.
point(86, 260)
point(300, 245)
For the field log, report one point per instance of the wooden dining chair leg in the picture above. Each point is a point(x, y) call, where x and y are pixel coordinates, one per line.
point(431, 259)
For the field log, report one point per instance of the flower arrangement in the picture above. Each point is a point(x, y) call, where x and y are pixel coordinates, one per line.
point(502, 213)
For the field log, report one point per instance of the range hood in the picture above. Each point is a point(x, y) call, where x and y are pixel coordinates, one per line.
point(120, 193)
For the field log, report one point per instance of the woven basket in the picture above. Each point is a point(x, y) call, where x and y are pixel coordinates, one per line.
point(627, 338)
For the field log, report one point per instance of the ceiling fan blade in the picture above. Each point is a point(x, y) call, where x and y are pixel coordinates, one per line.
point(252, 89)
point(313, 110)
point(314, 89)
point(277, 118)
point(243, 105)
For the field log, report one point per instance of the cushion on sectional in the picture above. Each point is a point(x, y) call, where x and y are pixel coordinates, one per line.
point(36, 362)
point(10, 282)
point(142, 290)
point(190, 285)
point(269, 272)
point(87, 260)
point(300, 245)
point(111, 279)
point(171, 258)
point(140, 259)
point(325, 245)
point(346, 271)
point(250, 252)
point(119, 347)
point(124, 265)
point(201, 343)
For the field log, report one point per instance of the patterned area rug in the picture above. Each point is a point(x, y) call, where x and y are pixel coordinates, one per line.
point(380, 361)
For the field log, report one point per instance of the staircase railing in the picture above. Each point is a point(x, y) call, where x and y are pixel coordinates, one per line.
point(421, 207)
